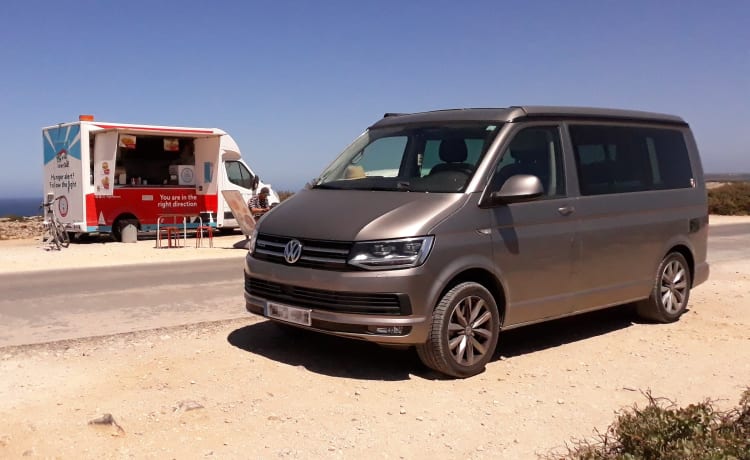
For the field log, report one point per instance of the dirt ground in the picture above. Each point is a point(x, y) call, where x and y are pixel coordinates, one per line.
point(245, 389)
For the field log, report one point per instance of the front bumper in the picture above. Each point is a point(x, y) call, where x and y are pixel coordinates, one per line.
point(355, 320)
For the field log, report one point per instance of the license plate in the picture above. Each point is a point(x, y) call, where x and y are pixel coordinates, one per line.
point(289, 314)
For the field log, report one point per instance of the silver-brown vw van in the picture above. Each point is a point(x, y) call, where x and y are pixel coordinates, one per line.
point(441, 229)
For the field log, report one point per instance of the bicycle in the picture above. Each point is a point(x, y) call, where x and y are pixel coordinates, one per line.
point(53, 232)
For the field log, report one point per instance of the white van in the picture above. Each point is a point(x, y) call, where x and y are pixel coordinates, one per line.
point(109, 175)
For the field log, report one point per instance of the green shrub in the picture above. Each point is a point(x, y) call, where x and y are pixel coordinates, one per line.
point(665, 432)
point(730, 199)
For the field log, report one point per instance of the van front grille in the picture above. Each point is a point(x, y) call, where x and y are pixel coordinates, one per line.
point(319, 299)
point(320, 254)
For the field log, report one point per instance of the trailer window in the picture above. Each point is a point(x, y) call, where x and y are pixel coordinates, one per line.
point(238, 174)
point(151, 160)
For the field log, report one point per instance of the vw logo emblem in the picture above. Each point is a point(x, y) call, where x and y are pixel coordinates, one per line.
point(292, 251)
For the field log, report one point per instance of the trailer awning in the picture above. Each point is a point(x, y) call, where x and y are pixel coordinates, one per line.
point(159, 130)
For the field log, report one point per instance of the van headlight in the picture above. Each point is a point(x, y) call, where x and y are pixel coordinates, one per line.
point(251, 241)
point(391, 254)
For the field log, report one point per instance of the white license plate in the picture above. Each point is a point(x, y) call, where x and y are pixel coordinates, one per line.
point(289, 314)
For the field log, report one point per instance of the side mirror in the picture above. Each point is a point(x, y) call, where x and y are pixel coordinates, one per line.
point(521, 187)
point(255, 182)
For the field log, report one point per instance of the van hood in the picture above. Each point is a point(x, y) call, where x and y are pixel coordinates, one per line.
point(359, 215)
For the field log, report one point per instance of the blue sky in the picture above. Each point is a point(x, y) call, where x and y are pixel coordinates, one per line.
point(295, 82)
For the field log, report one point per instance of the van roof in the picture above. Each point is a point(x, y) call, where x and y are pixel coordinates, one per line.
point(528, 112)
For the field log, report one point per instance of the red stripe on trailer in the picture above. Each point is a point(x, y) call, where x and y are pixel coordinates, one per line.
point(91, 216)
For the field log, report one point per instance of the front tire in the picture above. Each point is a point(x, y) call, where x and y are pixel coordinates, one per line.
point(464, 332)
point(670, 293)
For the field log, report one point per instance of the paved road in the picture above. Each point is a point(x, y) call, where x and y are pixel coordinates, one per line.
point(58, 305)
point(728, 243)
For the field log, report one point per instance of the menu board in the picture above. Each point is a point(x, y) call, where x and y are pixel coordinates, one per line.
point(127, 141)
point(171, 144)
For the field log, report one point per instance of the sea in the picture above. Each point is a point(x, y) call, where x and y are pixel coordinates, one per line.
point(20, 206)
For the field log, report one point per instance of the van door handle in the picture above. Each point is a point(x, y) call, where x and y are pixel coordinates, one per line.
point(566, 210)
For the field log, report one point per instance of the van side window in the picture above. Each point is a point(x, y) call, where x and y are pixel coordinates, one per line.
point(534, 151)
point(238, 174)
point(619, 159)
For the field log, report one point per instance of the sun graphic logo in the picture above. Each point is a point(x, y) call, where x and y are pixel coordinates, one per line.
point(62, 158)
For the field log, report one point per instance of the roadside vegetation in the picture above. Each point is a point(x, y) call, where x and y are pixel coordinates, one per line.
point(663, 431)
point(731, 199)
point(284, 194)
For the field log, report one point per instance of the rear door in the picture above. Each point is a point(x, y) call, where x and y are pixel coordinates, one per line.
point(240, 178)
point(534, 241)
point(64, 174)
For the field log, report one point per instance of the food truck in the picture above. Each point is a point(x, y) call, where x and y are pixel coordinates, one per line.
point(110, 175)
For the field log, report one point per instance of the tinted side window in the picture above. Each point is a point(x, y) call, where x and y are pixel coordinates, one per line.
point(616, 159)
point(534, 151)
point(238, 174)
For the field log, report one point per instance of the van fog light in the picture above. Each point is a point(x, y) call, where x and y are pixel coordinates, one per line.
point(388, 330)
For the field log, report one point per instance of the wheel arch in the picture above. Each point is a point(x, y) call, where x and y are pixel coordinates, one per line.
point(127, 217)
point(123, 219)
point(485, 278)
point(688, 255)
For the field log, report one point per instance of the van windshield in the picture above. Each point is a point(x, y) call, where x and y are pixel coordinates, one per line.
point(438, 159)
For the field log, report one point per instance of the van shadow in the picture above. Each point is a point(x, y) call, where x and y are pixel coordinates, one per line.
point(326, 354)
point(551, 334)
point(340, 357)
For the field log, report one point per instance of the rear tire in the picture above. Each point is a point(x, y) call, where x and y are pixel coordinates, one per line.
point(120, 223)
point(464, 332)
point(117, 227)
point(670, 293)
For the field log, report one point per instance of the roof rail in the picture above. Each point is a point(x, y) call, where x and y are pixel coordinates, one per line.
point(392, 114)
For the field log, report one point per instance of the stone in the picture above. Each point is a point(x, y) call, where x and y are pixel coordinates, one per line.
point(187, 405)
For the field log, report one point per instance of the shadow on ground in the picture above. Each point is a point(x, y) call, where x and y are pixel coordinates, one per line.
point(339, 357)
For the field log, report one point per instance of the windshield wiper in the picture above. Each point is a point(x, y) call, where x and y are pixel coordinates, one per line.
point(399, 187)
point(327, 186)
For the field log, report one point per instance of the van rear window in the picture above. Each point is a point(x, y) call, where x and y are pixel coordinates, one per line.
point(619, 159)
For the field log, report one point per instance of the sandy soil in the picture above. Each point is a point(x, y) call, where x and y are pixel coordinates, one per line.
point(246, 389)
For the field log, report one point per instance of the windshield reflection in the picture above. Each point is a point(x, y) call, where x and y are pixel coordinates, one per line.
point(440, 159)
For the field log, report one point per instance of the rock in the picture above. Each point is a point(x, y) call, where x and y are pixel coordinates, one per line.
point(107, 419)
point(187, 405)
